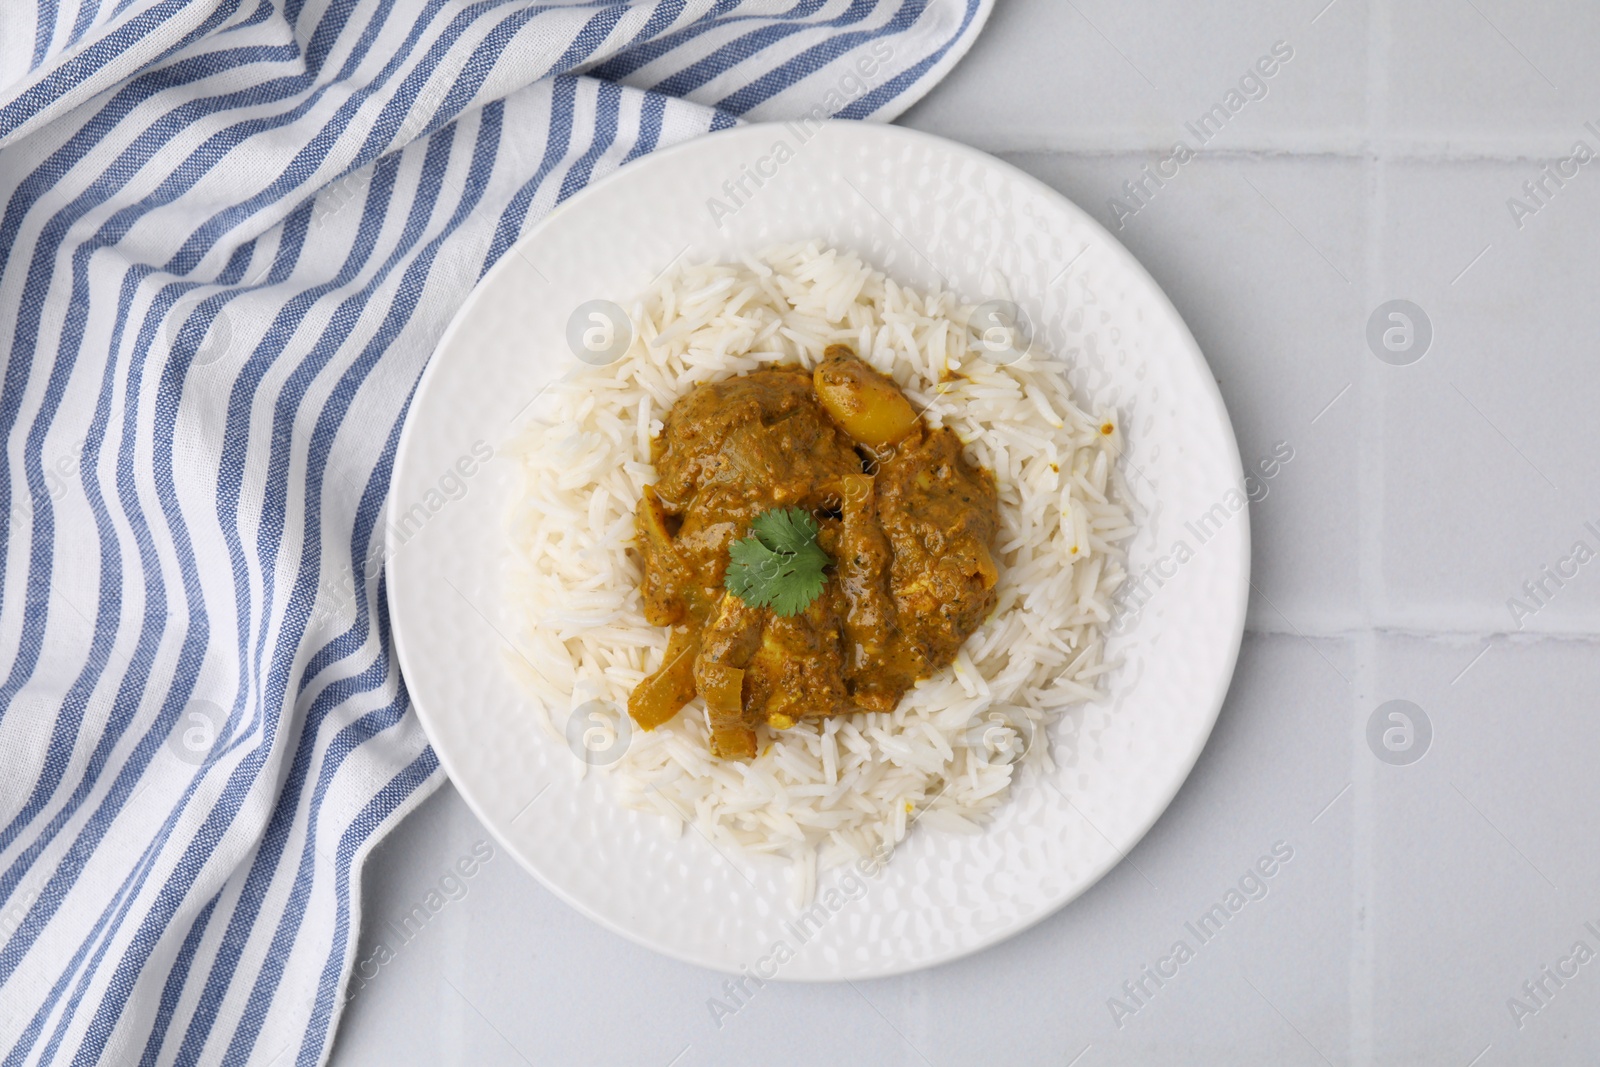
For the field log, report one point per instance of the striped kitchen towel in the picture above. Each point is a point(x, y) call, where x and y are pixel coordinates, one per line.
point(233, 231)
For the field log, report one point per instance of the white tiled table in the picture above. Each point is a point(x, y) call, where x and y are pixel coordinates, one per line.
point(1420, 898)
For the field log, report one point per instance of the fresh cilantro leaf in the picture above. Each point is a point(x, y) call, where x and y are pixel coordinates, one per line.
point(779, 565)
point(800, 581)
point(751, 567)
point(785, 529)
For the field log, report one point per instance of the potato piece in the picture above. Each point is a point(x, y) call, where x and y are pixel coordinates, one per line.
point(733, 742)
point(662, 695)
point(722, 686)
point(868, 406)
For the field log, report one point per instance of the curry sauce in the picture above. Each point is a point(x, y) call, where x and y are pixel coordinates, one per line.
point(906, 519)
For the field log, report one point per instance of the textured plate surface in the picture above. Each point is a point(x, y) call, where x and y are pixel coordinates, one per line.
point(922, 209)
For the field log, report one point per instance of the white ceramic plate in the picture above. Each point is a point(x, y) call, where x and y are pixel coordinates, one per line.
point(917, 207)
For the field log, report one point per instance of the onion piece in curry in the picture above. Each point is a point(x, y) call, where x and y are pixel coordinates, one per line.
point(907, 520)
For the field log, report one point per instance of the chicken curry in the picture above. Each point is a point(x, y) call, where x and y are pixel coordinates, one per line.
point(815, 548)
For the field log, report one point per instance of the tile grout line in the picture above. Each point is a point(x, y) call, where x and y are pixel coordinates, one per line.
point(916, 1006)
point(1416, 631)
point(1363, 957)
point(1110, 147)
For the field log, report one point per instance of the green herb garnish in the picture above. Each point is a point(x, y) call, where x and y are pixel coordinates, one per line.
point(779, 565)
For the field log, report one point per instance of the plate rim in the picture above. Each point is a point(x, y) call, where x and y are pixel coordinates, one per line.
point(1186, 341)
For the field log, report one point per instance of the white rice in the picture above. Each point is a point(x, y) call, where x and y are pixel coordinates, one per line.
point(820, 794)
